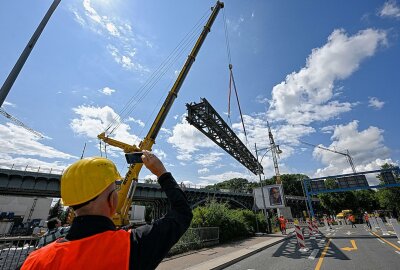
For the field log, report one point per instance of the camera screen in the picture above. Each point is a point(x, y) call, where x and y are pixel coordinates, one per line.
point(133, 158)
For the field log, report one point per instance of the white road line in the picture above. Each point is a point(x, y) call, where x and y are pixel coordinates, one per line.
point(398, 252)
point(328, 233)
point(313, 254)
point(371, 234)
point(380, 241)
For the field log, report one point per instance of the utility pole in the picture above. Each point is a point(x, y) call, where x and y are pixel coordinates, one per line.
point(5, 89)
point(275, 152)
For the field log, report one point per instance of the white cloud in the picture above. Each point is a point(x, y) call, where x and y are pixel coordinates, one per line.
point(160, 154)
point(365, 147)
point(375, 103)
point(305, 96)
point(123, 43)
point(187, 139)
point(137, 121)
point(19, 147)
point(208, 159)
point(166, 131)
point(92, 121)
point(203, 171)
point(261, 99)
point(107, 91)
point(6, 103)
point(328, 129)
point(390, 9)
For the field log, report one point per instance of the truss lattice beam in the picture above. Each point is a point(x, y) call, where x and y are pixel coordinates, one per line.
point(204, 117)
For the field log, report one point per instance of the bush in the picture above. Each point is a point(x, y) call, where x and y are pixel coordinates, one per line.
point(232, 223)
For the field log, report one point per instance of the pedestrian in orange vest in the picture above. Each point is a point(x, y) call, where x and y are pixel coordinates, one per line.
point(90, 187)
point(282, 224)
point(352, 221)
point(366, 218)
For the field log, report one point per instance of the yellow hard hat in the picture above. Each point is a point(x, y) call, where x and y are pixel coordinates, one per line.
point(86, 179)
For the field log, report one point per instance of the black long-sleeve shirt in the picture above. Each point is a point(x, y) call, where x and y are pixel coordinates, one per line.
point(149, 243)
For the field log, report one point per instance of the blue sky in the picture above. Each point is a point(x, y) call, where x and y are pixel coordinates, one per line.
point(321, 72)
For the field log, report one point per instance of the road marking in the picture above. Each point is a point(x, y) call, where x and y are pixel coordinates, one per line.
point(380, 241)
point(393, 245)
point(371, 234)
point(348, 233)
point(398, 252)
point(328, 234)
point(321, 259)
point(322, 241)
point(313, 254)
point(354, 246)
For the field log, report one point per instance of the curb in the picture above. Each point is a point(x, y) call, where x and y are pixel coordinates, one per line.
point(227, 262)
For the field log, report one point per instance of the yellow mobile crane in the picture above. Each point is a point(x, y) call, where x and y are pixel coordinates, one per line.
point(128, 185)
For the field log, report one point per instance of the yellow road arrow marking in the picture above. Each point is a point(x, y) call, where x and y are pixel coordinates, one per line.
point(353, 243)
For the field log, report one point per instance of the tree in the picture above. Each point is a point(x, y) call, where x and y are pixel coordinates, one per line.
point(56, 210)
point(234, 185)
point(389, 198)
point(336, 202)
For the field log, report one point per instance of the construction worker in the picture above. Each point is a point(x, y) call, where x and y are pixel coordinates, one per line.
point(366, 218)
point(282, 224)
point(90, 187)
point(352, 221)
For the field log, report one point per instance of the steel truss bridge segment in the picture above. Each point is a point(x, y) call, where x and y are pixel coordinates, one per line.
point(390, 179)
point(206, 119)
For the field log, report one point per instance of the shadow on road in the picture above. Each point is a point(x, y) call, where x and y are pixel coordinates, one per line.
point(290, 249)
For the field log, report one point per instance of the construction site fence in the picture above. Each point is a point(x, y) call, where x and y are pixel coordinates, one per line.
point(195, 238)
point(14, 250)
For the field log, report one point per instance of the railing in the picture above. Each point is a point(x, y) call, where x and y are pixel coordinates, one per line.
point(195, 238)
point(14, 250)
point(29, 168)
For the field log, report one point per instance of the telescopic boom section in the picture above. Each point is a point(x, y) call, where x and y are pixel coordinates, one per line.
point(128, 187)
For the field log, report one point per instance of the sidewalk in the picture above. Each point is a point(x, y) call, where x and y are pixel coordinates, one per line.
point(221, 256)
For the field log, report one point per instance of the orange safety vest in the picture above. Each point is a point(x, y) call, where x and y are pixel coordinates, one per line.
point(107, 250)
point(282, 222)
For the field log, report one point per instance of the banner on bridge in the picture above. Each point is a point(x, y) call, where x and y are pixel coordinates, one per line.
point(273, 196)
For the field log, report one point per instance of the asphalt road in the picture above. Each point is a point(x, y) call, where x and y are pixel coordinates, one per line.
point(362, 250)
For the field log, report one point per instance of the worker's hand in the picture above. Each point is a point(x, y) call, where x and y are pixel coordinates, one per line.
point(153, 163)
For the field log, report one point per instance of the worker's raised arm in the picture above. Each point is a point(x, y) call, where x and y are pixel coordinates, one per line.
point(150, 243)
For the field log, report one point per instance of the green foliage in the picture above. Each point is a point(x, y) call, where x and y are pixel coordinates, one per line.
point(189, 241)
point(232, 223)
point(234, 185)
point(291, 184)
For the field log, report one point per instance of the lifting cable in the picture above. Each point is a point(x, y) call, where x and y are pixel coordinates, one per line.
point(232, 80)
point(156, 75)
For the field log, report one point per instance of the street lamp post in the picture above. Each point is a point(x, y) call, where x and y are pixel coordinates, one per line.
point(266, 213)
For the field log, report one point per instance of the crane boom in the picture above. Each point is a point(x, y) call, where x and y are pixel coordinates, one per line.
point(125, 195)
point(19, 123)
point(347, 154)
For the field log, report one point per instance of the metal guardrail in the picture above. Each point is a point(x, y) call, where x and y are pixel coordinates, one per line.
point(14, 250)
point(196, 238)
point(29, 168)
